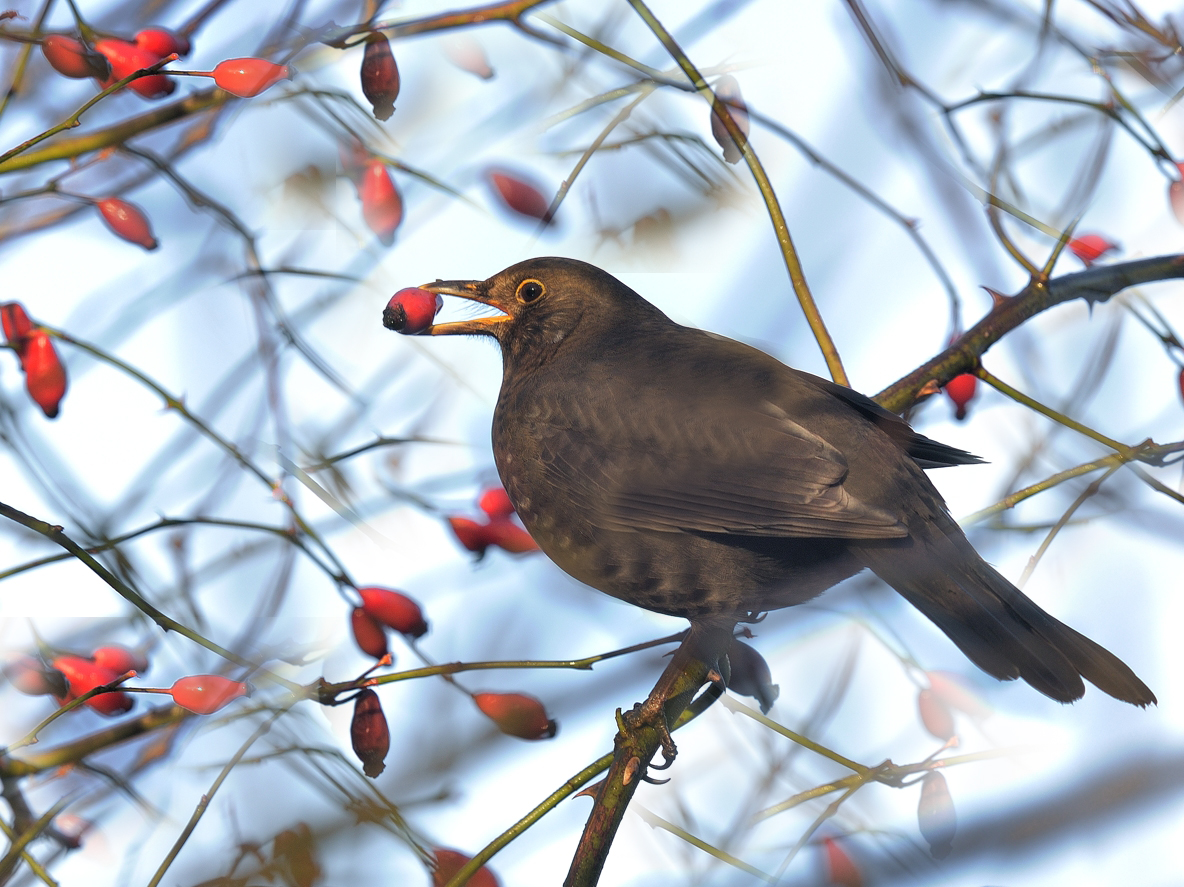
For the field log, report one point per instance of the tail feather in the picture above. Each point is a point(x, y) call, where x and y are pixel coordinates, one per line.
point(1000, 629)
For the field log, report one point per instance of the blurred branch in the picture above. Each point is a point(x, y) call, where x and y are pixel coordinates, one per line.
point(793, 265)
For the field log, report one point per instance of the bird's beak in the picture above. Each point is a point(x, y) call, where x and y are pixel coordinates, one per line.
point(474, 291)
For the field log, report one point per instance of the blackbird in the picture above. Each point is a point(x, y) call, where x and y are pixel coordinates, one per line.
point(696, 476)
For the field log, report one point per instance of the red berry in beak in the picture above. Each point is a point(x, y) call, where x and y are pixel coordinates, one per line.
point(411, 311)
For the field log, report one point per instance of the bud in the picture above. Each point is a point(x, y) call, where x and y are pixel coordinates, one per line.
point(449, 862)
point(248, 77)
point(380, 75)
point(935, 814)
point(516, 714)
point(382, 207)
point(45, 376)
point(369, 733)
point(750, 675)
point(368, 633)
point(394, 609)
point(960, 390)
point(728, 101)
point(128, 221)
point(520, 195)
point(204, 694)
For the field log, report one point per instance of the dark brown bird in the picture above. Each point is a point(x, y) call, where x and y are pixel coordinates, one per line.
point(693, 475)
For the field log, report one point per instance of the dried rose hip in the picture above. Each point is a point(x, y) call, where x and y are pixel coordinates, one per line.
point(410, 311)
point(127, 58)
point(520, 196)
point(249, 76)
point(45, 375)
point(394, 609)
point(368, 633)
point(369, 733)
point(380, 75)
point(204, 694)
point(728, 101)
point(72, 58)
point(935, 814)
point(128, 221)
point(516, 714)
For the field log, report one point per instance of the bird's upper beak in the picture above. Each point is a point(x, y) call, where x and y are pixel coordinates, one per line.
point(474, 291)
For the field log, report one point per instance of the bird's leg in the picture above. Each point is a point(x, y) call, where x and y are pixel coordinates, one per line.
point(690, 667)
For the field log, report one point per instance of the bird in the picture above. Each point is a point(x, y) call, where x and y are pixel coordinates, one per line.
point(697, 476)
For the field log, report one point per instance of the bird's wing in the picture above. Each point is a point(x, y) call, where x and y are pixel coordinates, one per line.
point(738, 471)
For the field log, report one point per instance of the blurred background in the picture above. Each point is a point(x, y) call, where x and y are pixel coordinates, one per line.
point(241, 442)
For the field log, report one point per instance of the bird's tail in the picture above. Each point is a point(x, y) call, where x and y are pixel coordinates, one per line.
point(1000, 629)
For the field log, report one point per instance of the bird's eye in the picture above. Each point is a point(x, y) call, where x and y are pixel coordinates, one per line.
point(530, 290)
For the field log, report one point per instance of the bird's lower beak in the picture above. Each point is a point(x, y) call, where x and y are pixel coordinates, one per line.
point(474, 291)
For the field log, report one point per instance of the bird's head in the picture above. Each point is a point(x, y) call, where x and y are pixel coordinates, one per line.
point(543, 303)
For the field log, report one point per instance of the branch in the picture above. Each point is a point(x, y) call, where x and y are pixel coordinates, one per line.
point(1095, 285)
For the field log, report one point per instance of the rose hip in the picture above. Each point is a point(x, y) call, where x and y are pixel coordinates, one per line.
point(410, 311)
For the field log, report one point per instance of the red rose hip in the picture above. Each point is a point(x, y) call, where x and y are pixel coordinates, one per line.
point(248, 77)
point(204, 694)
point(516, 714)
point(411, 311)
point(394, 609)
